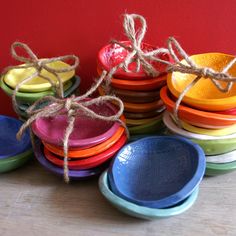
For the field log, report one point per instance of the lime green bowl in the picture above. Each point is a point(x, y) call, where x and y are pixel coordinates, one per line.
point(15, 162)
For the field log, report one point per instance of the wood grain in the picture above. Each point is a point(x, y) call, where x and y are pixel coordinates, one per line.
point(35, 202)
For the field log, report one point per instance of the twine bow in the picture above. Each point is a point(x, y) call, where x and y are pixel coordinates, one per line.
point(32, 61)
point(136, 54)
point(72, 107)
point(200, 72)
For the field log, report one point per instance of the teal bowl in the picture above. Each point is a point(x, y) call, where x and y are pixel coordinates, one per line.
point(15, 162)
point(140, 211)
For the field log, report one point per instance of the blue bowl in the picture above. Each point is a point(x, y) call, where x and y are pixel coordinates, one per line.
point(140, 211)
point(158, 171)
point(9, 145)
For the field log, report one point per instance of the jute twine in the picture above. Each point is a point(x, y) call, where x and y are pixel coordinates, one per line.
point(136, 54)
point(200, 72)
point(32, 61)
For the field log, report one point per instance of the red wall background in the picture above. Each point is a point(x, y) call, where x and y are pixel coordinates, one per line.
point(82, 27)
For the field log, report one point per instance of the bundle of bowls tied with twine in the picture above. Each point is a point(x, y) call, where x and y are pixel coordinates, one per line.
point(200, 101)
point(138, 74)
point(28, 82)
point(154, 177)
point(13, 153)
point(76, 136)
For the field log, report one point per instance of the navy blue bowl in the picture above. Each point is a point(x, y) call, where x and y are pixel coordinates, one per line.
point(9, 145)
point(157, 171)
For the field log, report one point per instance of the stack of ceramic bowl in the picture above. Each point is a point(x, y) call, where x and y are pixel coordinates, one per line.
point(206, 115)
point(92, 143)
point(139, 92)
point(154, 177)
point(37, 87)
point(13, 153)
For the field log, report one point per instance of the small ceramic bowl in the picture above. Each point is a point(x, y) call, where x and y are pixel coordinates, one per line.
point(87, 131)
point(10, 146)
point(37, 84)
point(15, 162)
point(223, 158)
point(140, 211)
point(197, 117)
point(90, 151)
point(136, 96)
point(213, 169)
point(87, 163)
point(138, 85)
point(170, 124)
point(204, 95)
point(113, 54)
point(151, 128)
point(144, 115)
point(157, 172)
point(135, 122)
point(212, 132)
point(73, 174)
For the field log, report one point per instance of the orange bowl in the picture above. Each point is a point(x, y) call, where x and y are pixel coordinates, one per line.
point(204, 95)
point(138, 85)
point(197, 117)
point(83, 153)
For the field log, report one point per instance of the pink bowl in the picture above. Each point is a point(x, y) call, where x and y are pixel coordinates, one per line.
point(113, 54)
point(87, 132)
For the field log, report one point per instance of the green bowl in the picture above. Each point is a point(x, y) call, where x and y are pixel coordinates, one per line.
point(140, 211)
point(213, 169)
point(150, 128)
point(32, 97)
point(15, 162)
point(216, 147)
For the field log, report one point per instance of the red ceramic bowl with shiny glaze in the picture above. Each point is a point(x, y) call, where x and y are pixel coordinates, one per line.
point(113, 54)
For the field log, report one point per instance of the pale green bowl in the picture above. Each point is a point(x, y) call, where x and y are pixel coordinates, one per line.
point(140, 211)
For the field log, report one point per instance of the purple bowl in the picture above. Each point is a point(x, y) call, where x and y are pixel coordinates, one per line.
point(73, 174)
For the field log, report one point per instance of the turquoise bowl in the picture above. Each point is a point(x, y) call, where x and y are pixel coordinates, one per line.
point(140, 211)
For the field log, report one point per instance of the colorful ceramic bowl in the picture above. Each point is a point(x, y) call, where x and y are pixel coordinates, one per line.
point(212, 132)
point(140, 211)
point(138, 85)
point(15, 162)
point(15, 76)
point(90, 151)
point(113, 54)
point(171, 125)
point(157, 172)
point(87, 163)
point(73, 174)
point(197, 117)
point(213, 169)
point(223, 158)
point(143, 115)
point(204, 95)
point(135, 122)
point(9, 145)
point(87, 131)
point(136, 96)
point(151, 128)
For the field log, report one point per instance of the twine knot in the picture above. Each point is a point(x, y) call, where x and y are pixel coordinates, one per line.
point(32, 61)
point(136, 54)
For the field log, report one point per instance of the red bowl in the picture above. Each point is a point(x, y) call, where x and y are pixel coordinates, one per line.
point(113, 54)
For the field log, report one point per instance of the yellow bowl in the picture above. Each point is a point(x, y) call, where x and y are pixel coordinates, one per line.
point(37, 84)
point(204, 95)
point(212, 132)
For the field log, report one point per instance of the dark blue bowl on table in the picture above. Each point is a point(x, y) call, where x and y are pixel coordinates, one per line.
point(157, 171)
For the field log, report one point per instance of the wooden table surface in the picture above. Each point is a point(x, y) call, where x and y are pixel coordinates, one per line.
point(35, 202)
